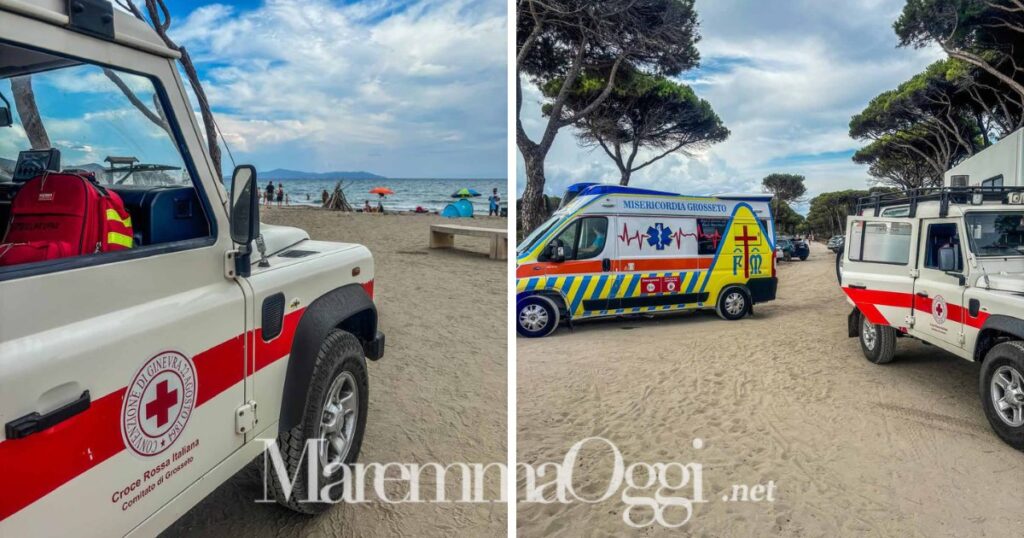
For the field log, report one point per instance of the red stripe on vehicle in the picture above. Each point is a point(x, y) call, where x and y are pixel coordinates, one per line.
point(34, 466)
point(867, 302)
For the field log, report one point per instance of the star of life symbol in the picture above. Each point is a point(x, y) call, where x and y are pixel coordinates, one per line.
point(939, 309)
point(660, 236)
point(158, 403)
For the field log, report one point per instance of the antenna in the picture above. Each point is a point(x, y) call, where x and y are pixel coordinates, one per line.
point(226, 146)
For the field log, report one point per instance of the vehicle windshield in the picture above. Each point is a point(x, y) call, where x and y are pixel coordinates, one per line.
point(528, 242)
point(106, 122)
point(996, 234)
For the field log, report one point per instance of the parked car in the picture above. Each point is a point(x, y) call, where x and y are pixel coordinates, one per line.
point(784, 249)
point(801, 249)
point(837, 243)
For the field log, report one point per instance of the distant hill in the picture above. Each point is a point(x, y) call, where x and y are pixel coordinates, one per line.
point(278, 174)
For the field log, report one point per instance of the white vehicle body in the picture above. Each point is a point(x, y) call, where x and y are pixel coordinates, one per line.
point(1001, 164)
point(950, 274)
point(104, 322)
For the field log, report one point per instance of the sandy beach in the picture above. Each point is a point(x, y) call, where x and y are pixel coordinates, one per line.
point(785, 396)
point(438, 395)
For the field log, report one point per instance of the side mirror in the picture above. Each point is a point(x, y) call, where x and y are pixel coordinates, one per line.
point(555, 252)
point(245, 207)
point(6, 119)
point(947, 259)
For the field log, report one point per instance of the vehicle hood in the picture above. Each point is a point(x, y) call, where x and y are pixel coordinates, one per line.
point(1012, 282)
point(278, 238)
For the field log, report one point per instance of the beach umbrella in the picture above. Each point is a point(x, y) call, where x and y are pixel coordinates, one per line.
point(382, 191)
point(465, 193)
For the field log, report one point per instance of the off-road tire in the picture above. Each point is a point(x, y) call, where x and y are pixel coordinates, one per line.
point(720, 306)
point(339, 352)
point(550, 309)
point(1009, 354)
point(881, 349)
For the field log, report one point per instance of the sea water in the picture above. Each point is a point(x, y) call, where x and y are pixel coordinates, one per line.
point(432, 194)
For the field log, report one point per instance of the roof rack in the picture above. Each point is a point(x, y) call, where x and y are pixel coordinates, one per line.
point(944, 195)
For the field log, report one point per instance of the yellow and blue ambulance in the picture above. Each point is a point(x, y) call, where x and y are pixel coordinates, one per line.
point(613, 251)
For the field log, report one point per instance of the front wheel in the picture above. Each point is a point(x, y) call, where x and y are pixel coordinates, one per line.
point(878, 342)
point(733, 304)
point(536, 316)
point(803, 258)
point(1002, 391)
point(334, 418)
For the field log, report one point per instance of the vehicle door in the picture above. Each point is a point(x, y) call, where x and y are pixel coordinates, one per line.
point(879, 265)
point(579, 256)
point(120, 372)
point(939, 288)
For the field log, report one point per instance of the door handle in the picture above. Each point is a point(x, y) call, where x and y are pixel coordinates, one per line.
point(35, 422)
point(923, 294)
point(606, 264)
point(857, 287)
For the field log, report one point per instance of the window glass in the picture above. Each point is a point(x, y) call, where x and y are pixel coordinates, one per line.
point(528, 242)
point(709, 234)
point(880, 242)
point(993, 182)
point(996, 234)
point(593, 236)
point(943, 243)
point(567, 239)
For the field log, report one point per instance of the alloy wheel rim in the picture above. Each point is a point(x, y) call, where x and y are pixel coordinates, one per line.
point(533, 317)
point(735, 303)
point(869, 335)
point(1007, 391)
point(338, 422)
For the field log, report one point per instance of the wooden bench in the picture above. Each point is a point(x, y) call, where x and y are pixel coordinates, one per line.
point(443, 236)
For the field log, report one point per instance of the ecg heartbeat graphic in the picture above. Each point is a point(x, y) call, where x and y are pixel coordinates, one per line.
point(638, 237)
point(679, 235)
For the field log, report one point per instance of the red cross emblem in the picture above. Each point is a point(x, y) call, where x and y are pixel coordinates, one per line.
point(160, 406)
point(746, 239)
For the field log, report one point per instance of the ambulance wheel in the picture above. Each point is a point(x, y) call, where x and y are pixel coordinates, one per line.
point(335, 412)
point(878, 342)
point(536, 316)
point(733, 304)
point(1002, 391)
point(803, 258)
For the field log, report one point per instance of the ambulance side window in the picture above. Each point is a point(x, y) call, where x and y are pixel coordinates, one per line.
point(943, 242)
point(566, 239)
point(582, 239)
point(709, 235)
point(593, 236)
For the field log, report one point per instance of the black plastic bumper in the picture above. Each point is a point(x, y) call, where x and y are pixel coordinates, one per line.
point(762, 289)
point(374, 349)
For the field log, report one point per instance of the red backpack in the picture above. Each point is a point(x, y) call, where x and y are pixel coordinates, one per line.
point(57, 215)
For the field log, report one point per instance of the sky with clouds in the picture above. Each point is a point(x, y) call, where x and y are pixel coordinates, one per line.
point(785, 76)
point(402, 88)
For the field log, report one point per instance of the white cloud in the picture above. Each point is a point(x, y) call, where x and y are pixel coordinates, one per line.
point(785, 77)
point(343, 84)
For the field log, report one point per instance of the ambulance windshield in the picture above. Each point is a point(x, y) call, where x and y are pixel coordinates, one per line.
point(996, 234)
point(107, 122)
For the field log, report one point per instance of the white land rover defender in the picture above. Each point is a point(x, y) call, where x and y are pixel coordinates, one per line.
point(945, 266)
point(134, 382)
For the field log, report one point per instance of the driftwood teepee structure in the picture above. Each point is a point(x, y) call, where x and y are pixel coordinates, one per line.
point(336, 201)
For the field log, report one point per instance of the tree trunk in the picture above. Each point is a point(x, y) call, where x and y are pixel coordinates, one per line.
point(25, 102)
point(624, 176)
point(532, 211)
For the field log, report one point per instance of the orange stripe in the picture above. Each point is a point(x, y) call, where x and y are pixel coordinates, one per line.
point(662, 264)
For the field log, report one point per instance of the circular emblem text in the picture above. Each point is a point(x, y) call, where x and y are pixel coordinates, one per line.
point(158, 403)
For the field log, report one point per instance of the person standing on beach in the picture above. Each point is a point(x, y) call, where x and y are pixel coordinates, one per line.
point(270, 193)
point(367, 208)
point(493, 199)
point(280, 194)
point(325, 196)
